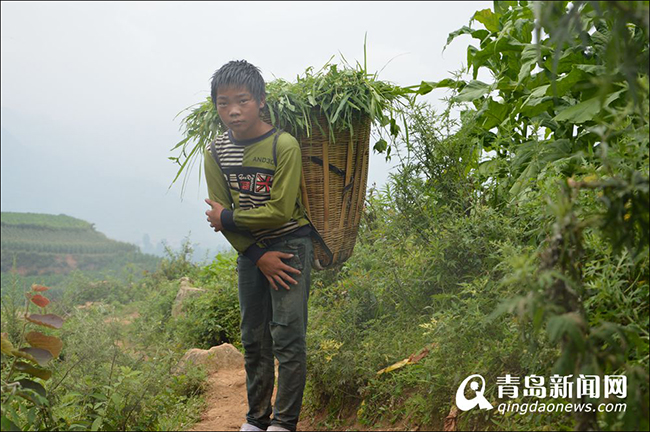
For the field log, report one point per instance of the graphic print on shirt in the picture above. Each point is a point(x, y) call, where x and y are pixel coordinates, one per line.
point(263, 183)
point(254, 181)
point(252, 185)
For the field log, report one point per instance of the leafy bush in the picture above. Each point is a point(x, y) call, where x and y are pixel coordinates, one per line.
point(213, 317)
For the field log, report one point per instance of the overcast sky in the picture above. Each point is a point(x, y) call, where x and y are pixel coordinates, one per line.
point(90, 91)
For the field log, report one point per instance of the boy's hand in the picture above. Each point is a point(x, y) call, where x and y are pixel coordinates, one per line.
point(214, 215)
point(275, 270)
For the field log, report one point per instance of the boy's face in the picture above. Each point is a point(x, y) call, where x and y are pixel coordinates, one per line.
point(238, 109)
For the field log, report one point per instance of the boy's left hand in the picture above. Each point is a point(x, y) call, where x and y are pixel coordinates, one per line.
point(214, 215)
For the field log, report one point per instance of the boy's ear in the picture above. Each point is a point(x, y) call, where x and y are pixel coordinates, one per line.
point(262, 102)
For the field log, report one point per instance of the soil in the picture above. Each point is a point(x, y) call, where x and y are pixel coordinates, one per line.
point(227, 405)
point(226, 400)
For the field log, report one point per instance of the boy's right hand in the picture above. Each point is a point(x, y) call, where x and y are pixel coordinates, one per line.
point(275, 270)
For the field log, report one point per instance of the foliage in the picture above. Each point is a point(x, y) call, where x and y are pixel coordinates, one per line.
point(212, 318)
point(113, 380)
point(572, 107)
point(512, 240)
point(572, 96)
point(35, 414)
point(117, 370)
point(41, 220)
point(38, 244)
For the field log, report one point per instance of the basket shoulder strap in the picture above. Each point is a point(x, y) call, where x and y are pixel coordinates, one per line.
point(275, 146)
point(215, 156)
point(213, 151)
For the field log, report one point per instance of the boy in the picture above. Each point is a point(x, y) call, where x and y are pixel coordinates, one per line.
point(253, 174)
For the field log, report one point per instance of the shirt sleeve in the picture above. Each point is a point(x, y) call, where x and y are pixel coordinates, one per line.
point(243, 241)
point(284, 191)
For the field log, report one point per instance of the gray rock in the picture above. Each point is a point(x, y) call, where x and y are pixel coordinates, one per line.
point(224, 356)
point(186, 291)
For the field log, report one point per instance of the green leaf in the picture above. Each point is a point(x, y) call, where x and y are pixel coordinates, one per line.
point(591, 69)
point(586, 110)
point(524, 154)
point(7, 346)
point(8, 425)
point(394, 128)
point(479, 58)
point(489, 167)
point(567, 61)
point(568, 324)
point(567, 83)
point(494, 114)
point(529, 56)
point(43, 374)
point(538, 316)
point(473, 90)
point(503, 6)
point(380, 146)
point(426, 86)
point(565, 364)
point(341, 105)
point(32, 385)
point(555, 150)
point(97, 424)
point(489, 19)
point(508, 43)
point(461, 31)
point(480, 34)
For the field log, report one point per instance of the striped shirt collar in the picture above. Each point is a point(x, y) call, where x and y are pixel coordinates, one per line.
point(249, 141)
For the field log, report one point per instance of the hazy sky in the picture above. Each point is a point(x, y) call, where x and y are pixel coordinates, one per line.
point(90, 91)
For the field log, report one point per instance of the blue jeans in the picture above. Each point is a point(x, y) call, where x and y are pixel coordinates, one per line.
point(274, 323)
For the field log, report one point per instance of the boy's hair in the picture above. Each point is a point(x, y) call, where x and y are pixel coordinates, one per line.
point(239, 73)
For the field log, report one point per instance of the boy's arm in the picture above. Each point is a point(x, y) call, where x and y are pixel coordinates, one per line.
point(278, 210)
point(218, 191)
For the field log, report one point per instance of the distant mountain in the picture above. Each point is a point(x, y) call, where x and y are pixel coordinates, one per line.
point(41, 244)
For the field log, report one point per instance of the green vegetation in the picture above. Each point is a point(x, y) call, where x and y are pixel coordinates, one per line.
point(40, 220)
point(117, 367)
point(43, 349)
point(44, 249)
point(42, 233)
point(512, 241)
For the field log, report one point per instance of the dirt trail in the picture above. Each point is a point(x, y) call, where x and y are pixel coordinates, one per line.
point(227, 405)
point(226, 399)
point(227, 402)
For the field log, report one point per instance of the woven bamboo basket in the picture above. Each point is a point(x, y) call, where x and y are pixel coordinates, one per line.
point(334, 197)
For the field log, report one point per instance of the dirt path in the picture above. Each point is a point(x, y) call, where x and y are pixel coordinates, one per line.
point(226, 399)
point(227, 405)
point(227, 402)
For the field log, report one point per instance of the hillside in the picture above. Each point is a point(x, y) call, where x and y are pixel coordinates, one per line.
point(40, 244)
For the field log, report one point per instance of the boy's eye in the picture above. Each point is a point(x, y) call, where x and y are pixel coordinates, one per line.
point(243, 101)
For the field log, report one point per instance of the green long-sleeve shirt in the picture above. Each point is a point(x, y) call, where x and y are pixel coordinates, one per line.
point(259, 188)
